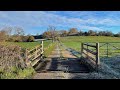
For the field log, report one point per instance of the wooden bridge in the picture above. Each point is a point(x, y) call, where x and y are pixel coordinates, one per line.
point(63, 61)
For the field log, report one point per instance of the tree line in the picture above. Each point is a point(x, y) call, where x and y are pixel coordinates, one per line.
point(15, 34)
point(76, 32)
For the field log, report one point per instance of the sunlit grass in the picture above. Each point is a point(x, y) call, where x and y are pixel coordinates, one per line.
point(27, 45)
point(74, 42)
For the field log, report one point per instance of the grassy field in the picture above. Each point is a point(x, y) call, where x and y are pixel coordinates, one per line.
point(74, 42)
point(28, 45)
point(46, 43)
point(90, 39)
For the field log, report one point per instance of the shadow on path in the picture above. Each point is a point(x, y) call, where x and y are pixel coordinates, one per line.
point(67, 65)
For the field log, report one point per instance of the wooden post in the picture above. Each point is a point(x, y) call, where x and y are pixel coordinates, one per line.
point(81, 49)
point(26, 56)
point(87, 51)
point(97, 54)
point(36, 52)
point(107, 50)
point(42, 46)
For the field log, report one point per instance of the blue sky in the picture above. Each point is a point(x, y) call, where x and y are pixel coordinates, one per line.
point(34, 22)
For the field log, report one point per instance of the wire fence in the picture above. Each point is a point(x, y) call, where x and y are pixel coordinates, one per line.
point(109, 49)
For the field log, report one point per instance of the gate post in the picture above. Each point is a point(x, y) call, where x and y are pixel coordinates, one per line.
point(42, 46)
point(81, 49)
point(97, 54)
point(26, 57)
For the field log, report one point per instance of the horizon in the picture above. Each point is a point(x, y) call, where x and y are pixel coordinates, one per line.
point(34, 22)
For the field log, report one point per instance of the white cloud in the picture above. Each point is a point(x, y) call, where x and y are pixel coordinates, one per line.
point(78, 19)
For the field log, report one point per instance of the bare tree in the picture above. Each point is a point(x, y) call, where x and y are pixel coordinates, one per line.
point(53, 32)
point(73, 31)
point(5, 33)
point(18, 31)
point(18, 34)
point(63, 33)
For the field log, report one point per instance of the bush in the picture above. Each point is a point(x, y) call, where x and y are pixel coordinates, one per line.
point(21, 39)
point(3, 36)
point(11, 39)
point(24, 38)
point(30, 39)
point(10, 56)
point(12, 65)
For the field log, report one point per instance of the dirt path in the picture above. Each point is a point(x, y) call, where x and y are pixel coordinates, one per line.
point(61, 63)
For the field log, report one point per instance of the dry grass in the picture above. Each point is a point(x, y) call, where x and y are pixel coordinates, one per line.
point(12, 65)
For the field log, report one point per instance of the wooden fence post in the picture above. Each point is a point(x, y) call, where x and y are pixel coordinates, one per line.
point(107, 50)
point(97, 54)
point(26, 56)
point(42, 46)
point(36, 51)
point(81, 49)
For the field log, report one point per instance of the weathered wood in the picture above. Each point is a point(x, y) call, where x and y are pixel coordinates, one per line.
point(90, 55)
point(88, 50)
point(97, 55)
point(89, 45)
point(82, 48)
point(34, 54)
point(42, 47)
point(35, 61)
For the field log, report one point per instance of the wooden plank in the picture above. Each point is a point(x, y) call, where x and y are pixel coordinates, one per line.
point(32, 50)
point(35, 62)
point(91, 63)
point(90, 51)
point(90, 54)
point(34, 57)
point(89, 57)
point(90, 45)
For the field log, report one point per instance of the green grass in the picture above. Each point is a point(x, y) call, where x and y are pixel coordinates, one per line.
point(28, 45)
point(48, 51)
point(75, 43)
point(46, 43)
point(17, 73)
point(90, 39)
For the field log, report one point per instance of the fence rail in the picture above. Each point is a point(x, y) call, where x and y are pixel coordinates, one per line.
point(109, 48)
point(91, 57)
point(34, 55)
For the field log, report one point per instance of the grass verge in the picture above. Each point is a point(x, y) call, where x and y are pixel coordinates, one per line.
point(48, 50)
point(17, 73)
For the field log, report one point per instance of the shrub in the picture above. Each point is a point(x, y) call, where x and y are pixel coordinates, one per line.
point(10, 56)
point(30, 39)
point(12, 65)
point(3, 36)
